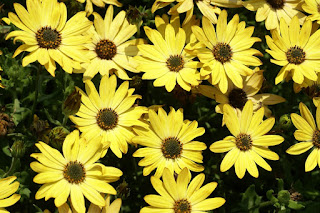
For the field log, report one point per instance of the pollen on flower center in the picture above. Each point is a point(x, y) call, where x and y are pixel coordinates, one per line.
point(175, 63)
point(276, 4)
point(48, 38)
point(182, 206)
point(295, 55)
point(171, 148)
point(243, 142)
point(237, 98)
point(222, 52)
point(316, 139)
point(74, 172)
point(106, 49)
point(107, 119)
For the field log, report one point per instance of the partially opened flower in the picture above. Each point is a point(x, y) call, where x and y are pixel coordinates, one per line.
point(7, 189)
point(74, 174)
point(312, 7)
point(48, 36)
point(180, 195)
point(296, 50)
point(98, 3)
point(249, 143)
point(109, 114)
point(272, 11)
point(309, 134)
point(169, 143)
point(227, 52)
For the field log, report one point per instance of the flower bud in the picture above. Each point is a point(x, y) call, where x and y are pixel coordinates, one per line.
point(57, 136)
point(285, 122)
point(72, 103)
point(18, 149)
point(284, 197)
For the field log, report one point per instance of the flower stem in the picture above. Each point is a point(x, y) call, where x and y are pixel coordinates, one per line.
point(37, 84)
point(13, 162)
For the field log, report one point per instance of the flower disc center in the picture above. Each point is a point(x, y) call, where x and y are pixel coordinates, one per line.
point(276, 4)
point(295, 55)
point(175, 63)
point(107, 119)
point(237, 98)
point(74, 172)
point(48, 38)
point(182, 206)
point(243, 142)
point(106, 49)
point(171, 148)
point(316, 139)
point(222, 52)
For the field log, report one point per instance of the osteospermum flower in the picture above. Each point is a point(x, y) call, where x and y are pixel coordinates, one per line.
point(307, 132)
point(228, 51)
point(98, 3)
point(109, 115)
point(249, 143)
point(7, 189)
point(180, 195)
point(169, 143)
point(296, 50)
point(272, 11)
point(237, 97)
point(110, 52)
point(74, 174)
point(312, 7)
point(48, 36)
point(167, 61)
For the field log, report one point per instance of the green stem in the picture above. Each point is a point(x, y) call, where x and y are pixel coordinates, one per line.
point(65, 119)
point(37, 84)
point(261, 205)
point(13, 162)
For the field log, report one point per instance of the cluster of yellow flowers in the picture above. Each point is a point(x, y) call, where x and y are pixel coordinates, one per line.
point(109, 118)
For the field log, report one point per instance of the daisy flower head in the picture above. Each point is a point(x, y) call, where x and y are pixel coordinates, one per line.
point(272, 11)
point(308, 132)
point(169, 143)
point(110, 50)
point(109, 114)
point(312, 7)
point(7, 189)
point(249, 143)
point(166, 60)
point(227, 52)
point(296, 50)
point(74, 174)
point(48, 36)
point(180, 195)
point(237, 97)
point(98, 3)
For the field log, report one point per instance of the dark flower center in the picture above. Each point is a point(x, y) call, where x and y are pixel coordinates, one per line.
point(237, 98)
point(276, 4)
point(107, 119)
point(106, 49)
point(74, 172)
point(222, 52)
point(243, 142)
point(171, 148)
point(182, 206)
point(175, 63)
point(48, 38)
point(316, 139)
point(295, 55)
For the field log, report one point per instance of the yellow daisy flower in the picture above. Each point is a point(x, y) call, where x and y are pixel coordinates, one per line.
point(48, 36)
point(169, 143)
point(307, 132)
point(167, 61)
point(228, 51)
point(237, 97)
point(208, 8)
point(109, 115)
point(7, 190)
point(249, 143)
point(180, 195)
point(296, 50)
point(312, 7)
point(272, 11)
point(74, 174)
point(98, 3)
point(110, 52)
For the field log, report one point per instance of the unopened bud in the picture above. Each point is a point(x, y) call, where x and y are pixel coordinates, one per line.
point(284, 197)
point(18, 149)
point(285, 122)
point(134, 16)
point(57, 136)
point(72, 103)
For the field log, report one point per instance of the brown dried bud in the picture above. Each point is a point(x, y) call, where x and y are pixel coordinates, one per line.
point(6, 124)
point(134, 16)
point(57, 136)
point(72, 103)
point(40, 128)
